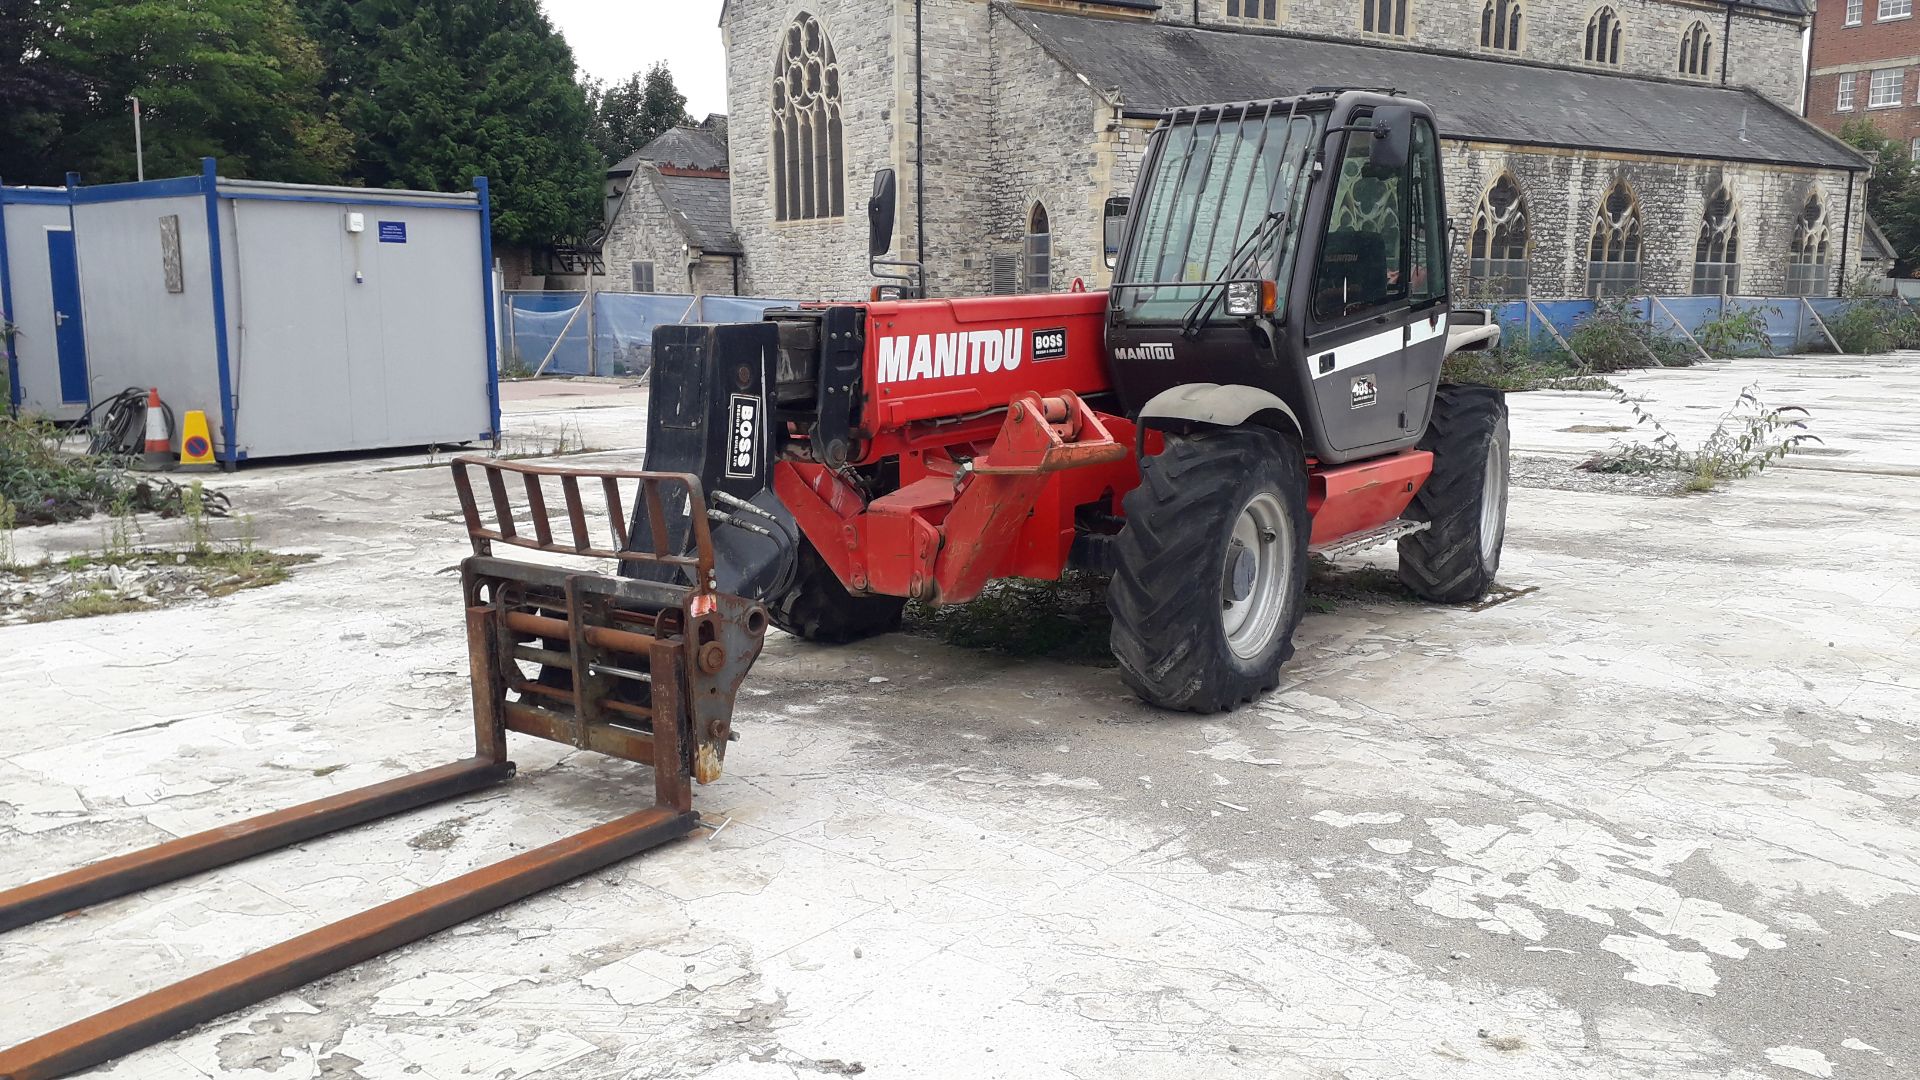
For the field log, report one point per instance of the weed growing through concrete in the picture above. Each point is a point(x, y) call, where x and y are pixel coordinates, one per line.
point(193, 507)
point(1749, 438)
point(8, 517)
point(125, 576)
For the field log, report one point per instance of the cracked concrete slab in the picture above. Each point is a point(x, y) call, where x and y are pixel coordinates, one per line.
point(1653, 818)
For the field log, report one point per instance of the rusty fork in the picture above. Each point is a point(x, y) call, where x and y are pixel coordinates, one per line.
point(642, 665)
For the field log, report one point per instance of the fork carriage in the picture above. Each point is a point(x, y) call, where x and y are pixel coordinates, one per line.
point(642, 664)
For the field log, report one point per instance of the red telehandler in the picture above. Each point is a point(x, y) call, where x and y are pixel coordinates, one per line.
point(1262, 381)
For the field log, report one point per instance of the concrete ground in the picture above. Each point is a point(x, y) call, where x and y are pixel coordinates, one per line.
point(1652, 817)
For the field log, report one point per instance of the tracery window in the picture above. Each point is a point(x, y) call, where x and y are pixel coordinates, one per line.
point(807, 166)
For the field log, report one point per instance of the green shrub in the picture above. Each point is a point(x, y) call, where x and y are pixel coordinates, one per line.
point(1517, 365)
point(1875, 326)
point(1613, 337)
point(1737, 332)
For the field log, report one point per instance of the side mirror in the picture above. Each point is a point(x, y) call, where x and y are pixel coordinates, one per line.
point(1392, 139)
point(880, 214)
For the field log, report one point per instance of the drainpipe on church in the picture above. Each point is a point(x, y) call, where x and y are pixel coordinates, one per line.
point(1846, 229)
point(919, 146)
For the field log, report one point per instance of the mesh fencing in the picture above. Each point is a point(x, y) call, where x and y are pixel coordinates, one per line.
point(553, 333)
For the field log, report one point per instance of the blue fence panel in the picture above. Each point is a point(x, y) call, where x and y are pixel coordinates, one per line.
point(537, 319)
point(723, 309)
point(623, 328)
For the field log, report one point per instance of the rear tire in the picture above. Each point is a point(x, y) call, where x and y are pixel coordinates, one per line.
point(1217, 515)
point(818, 608)
point(1454, 560)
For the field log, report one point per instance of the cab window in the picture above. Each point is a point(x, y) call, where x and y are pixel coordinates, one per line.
point(1363, 256)
point(1427, 219)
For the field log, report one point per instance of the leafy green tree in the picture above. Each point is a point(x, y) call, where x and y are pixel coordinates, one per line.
point(233, 79)
point(631, 113)
point(1893, 189)
point(438, 91)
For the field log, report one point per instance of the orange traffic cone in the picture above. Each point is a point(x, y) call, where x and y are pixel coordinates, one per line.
point(159, 452)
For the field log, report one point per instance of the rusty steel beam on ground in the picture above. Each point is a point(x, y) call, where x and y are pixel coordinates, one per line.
point(277, 969)
point(123, 874)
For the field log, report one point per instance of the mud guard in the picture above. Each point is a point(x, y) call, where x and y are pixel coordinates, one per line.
point(709, 415)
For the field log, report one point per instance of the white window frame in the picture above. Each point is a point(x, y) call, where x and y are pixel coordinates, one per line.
point(1856, 11)
point(642, 271)
point(1898, 84)
point(1894, 9)
point(1914, 150)
point(1844, 102)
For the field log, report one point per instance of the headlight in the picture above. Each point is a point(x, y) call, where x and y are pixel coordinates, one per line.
point(1243, 298)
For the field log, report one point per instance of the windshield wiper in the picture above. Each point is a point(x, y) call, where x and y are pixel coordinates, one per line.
point(1209, 297)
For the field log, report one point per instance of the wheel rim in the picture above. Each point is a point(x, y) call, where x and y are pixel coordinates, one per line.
point(1493, 501)
point(1261, 537)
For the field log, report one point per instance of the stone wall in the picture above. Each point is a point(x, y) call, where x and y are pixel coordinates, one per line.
point(1563, 192)
point(1008, 126)
point(1766, 48)
point(643, 231)
point(823, 258)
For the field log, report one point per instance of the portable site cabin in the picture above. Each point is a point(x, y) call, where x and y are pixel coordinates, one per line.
point(301, 319)
point(40, 296)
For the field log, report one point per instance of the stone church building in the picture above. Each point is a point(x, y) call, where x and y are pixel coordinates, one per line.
point(1590, 145)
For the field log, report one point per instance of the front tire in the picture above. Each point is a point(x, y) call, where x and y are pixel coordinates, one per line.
point(1454, 560)
point(1211, 569)
point(816, 607)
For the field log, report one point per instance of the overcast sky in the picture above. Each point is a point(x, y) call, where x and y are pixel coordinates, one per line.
point(612, 39)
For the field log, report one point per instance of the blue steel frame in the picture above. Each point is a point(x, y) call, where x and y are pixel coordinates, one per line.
point(6, 311)
point(486, 305)
point(209, 183)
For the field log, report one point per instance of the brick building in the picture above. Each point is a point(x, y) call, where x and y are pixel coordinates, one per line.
point(1624, 145)
point(669, 216)
point(1864, 61)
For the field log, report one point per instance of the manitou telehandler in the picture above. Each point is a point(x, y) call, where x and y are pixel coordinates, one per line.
point(1261, 381)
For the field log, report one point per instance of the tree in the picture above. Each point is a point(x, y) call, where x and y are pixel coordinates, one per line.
point(439, 91)
point(633, 112)
point(1893, 189)
point(232, 79)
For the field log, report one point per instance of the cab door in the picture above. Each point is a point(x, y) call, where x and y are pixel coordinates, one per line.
point(1378, 280)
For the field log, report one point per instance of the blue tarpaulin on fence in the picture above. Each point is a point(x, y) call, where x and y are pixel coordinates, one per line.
point(1790, 325)
point(622, 324)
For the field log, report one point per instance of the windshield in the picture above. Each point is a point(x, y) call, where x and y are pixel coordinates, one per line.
point(1214, 183)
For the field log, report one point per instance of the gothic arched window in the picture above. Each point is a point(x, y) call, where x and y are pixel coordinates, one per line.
point(1807, 257)
point(1613, 257)
point(1696, 50)
point(1497, 253)
point(1716, 258)
point(1500, 25)
point(1039, 251)
point(1603, 37)
point(807, 167)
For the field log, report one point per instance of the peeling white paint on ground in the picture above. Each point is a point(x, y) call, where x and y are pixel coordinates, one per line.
point(1800, 1059)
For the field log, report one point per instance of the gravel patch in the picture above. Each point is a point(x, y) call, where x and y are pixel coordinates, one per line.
point(1564, 474)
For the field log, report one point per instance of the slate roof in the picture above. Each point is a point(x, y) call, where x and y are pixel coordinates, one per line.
point(685, 147)
point(702, 206)
point(1155, 66)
